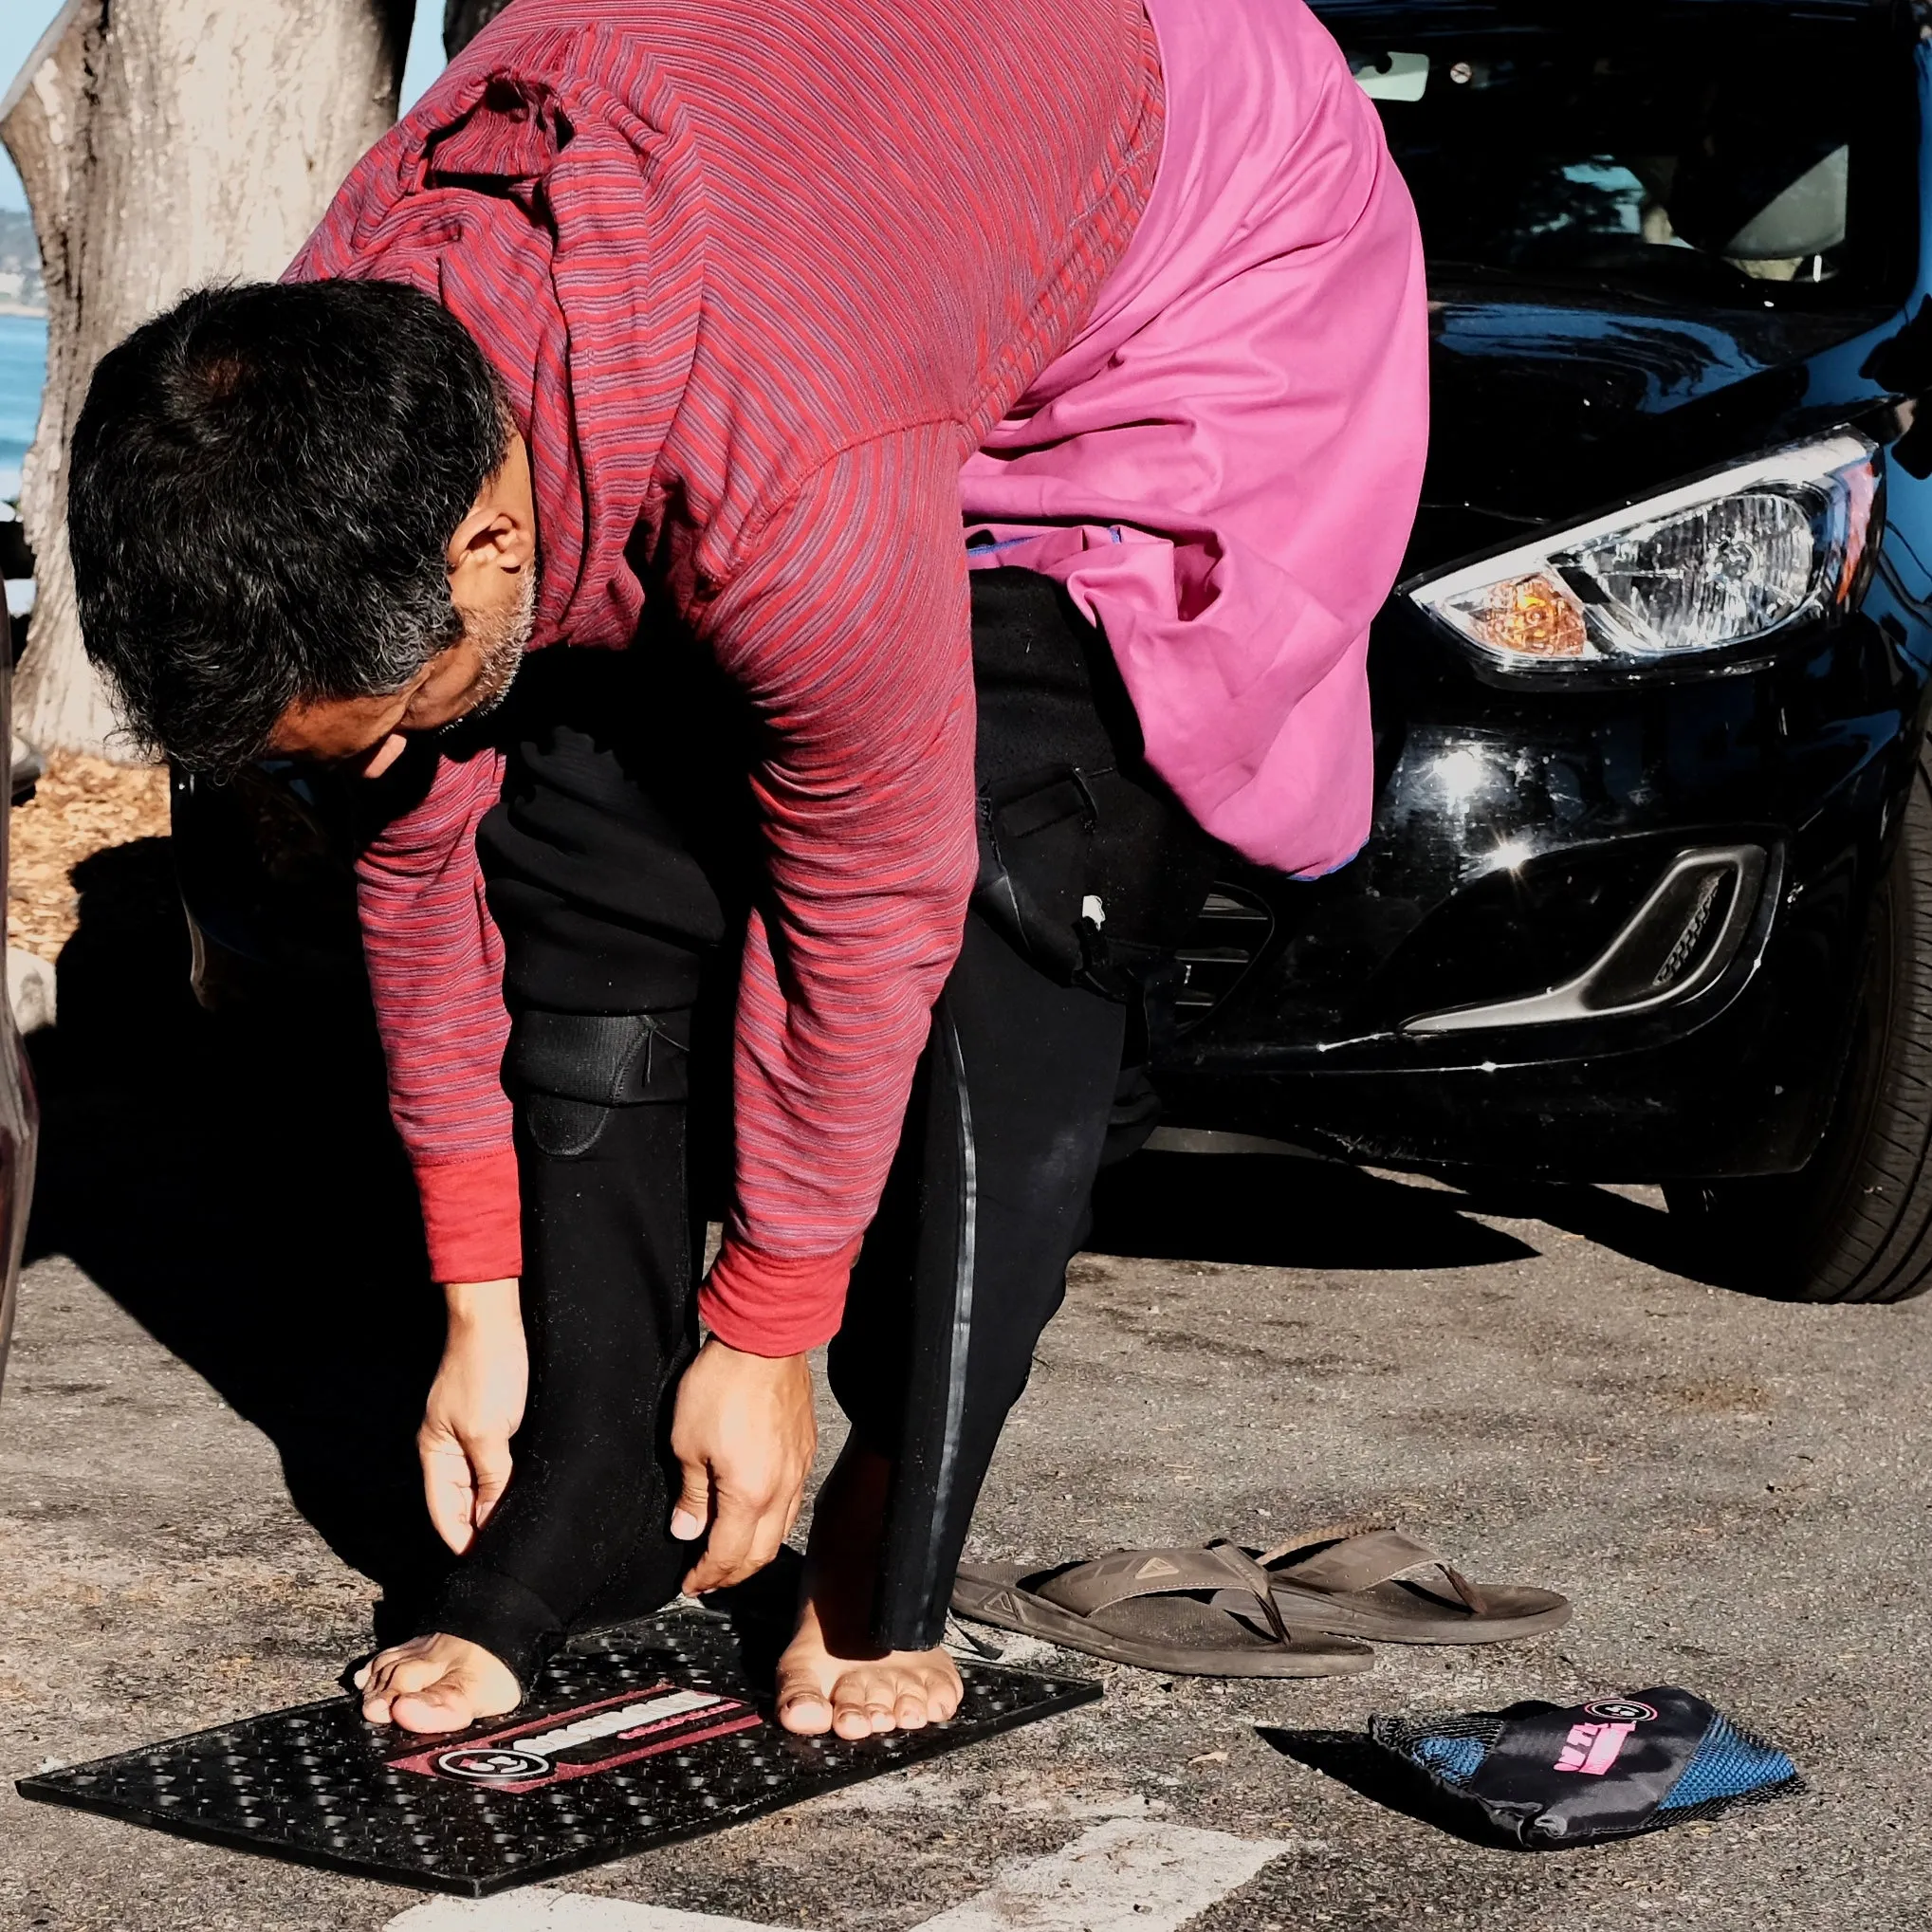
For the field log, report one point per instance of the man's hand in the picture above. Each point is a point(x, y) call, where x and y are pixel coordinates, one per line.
point(475, 1407)
point(745, 1433)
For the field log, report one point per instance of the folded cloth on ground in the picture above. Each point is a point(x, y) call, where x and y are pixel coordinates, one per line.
point(1548, 1774)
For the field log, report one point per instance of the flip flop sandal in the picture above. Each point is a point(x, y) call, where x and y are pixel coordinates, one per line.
point(1354, 1581)
point(1189, 1612)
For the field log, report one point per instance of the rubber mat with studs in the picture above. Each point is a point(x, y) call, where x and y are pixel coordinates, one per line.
point(631, 1740)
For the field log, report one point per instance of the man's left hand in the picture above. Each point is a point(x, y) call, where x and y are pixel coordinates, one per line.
point(745, 1433)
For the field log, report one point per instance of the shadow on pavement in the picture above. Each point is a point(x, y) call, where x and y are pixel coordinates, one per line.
point(1631, 1228)
point(234, 1184)
point(1354, 1760)
point(1270, 1211)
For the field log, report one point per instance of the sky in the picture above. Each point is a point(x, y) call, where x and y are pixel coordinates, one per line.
point(23, 22)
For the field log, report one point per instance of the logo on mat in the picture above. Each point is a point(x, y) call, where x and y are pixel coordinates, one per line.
point(492, 1767)
point(1155, 1565)
point(1620, 1710)
point(585, 1739)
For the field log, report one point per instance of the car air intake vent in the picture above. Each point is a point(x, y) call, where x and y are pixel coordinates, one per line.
point(1233, 928)
point(1707, 891)
point(1685, 934)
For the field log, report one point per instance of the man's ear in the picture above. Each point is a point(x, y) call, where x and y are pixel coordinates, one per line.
point(500, 531)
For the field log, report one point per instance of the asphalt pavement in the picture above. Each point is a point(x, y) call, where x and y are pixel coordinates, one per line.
point(1734, 1492)
point(208, 1494)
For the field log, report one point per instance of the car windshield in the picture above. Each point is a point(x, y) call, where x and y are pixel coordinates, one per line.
point(1710, 151)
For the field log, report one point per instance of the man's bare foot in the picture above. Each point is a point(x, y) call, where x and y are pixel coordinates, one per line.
point(436, 1684)
point(821, 1688)
point(831, 1677)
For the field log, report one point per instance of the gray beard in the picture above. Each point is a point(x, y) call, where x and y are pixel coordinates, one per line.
point(501, 643)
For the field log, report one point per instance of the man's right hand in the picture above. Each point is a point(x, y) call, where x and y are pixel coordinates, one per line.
point(745, 1431)
point(475, 1407)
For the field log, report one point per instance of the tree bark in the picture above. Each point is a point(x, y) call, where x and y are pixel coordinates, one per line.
point(165, 144)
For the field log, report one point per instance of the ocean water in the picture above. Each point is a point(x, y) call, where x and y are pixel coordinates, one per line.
point(23, 369)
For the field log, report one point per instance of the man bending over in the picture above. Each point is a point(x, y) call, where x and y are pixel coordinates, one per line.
point(716, 342)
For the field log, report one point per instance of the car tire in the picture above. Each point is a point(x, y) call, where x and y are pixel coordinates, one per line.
point(1855, 1222)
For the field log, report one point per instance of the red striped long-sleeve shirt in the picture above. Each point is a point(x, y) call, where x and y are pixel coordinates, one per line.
point(759, 281)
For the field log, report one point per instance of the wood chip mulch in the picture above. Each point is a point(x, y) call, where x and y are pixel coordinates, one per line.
point(80, 806)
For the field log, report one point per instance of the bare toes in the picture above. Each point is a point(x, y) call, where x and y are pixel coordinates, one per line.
point(803, 1708)
point(856, 1706)
point(442, 1707)
point(851, 1720)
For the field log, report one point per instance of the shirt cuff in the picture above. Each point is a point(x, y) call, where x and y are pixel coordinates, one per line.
point(471, 1218)
point(772, 1305)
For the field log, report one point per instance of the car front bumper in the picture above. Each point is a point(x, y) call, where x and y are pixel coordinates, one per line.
point(1515, 840)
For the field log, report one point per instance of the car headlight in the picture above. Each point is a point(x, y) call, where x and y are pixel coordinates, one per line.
point(1727, 560)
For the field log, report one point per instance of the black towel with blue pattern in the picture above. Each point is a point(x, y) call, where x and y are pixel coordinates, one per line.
point(1548, 1774)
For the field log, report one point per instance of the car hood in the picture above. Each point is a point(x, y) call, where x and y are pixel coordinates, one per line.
point(1544, 411)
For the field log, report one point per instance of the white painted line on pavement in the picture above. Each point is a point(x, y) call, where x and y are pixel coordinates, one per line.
point(1126, 1875)
point(539, 1910)
point(1122, 1876)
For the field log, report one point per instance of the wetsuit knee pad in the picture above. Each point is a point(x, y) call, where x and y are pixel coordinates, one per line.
point(565, 1072)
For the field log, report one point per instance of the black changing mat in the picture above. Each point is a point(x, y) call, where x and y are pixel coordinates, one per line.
point(631, 1740)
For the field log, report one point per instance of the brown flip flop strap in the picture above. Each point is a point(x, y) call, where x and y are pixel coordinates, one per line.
point(1328, 1532)
point(1255, 1579)
point(1129, 1574)
point(1363, 1558)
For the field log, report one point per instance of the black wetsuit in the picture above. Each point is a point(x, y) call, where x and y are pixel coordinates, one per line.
point(618, 865)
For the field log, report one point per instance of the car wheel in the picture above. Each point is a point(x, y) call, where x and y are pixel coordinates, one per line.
point(1855, 1222)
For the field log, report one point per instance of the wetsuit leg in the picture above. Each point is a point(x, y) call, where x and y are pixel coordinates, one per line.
point(616, 926)
point(610, 1295)
point(966, 1260)
point(990, 1193)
